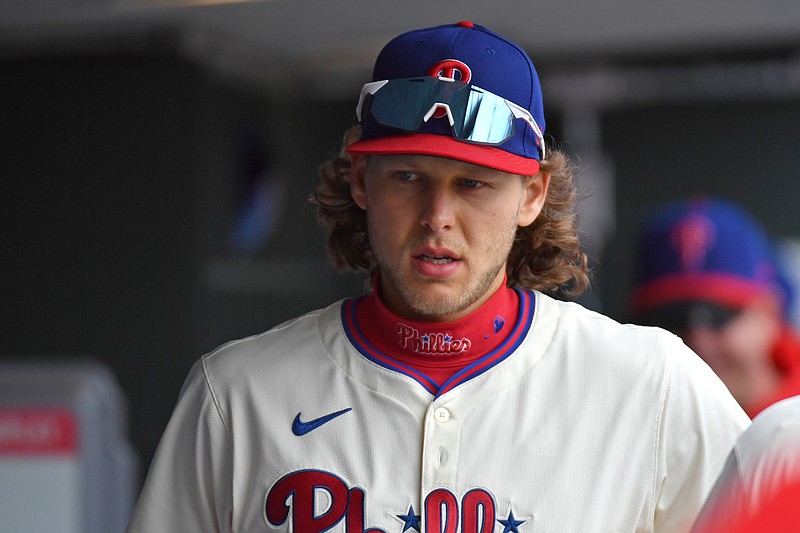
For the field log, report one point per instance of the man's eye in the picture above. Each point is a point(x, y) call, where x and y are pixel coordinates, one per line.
point(472, 184)
point(406, 175)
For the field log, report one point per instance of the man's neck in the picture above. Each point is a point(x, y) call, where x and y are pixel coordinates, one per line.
point(439, 349)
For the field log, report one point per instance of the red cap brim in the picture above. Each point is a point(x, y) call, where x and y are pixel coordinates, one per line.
point(444, 146)
point(725, 290)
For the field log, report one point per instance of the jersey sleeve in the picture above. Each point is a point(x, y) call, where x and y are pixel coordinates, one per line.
point(188, 486)
point(700, 424)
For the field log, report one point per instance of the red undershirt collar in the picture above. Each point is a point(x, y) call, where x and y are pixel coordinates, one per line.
point(438, 349)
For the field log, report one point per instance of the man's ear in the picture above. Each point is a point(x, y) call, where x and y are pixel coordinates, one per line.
point(535, 190)
point(358, 188)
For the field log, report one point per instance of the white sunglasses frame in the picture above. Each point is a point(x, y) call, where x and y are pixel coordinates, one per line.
point(516, 110)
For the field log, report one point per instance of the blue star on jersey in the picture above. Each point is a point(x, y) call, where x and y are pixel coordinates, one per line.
point(511, 524)
point(410, 519)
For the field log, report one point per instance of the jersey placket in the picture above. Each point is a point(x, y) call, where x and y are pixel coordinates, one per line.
point(440, 447)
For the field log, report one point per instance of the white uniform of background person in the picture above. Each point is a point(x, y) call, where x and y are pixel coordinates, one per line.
point(765, 458)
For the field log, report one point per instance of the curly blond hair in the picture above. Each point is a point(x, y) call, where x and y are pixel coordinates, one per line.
point(546, 255)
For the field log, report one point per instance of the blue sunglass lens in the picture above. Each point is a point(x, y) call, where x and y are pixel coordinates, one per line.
point(403, 105)
point(487, 119)
point(479, 116)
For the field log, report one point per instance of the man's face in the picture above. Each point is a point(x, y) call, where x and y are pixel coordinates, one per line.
point(441, 229)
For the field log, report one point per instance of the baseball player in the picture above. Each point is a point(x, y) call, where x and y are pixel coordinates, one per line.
point(456, 396)
point(707, 272)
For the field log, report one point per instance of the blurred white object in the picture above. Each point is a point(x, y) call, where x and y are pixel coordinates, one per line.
point(66, 465)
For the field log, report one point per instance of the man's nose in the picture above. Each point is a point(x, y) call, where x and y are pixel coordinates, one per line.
point(439, 207)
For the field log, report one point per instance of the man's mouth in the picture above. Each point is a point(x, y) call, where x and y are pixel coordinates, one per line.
point(436, 262)
point(435, 259)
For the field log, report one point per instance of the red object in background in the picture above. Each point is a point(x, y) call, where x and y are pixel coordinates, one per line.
point(37, 431)
point(779, 514)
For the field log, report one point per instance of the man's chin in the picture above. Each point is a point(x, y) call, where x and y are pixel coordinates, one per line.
point(436, 307)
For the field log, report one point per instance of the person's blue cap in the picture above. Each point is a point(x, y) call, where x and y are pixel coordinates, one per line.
point(707, 250)
point(462, 52)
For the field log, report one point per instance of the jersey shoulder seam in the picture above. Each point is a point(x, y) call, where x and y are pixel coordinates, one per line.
point(659, 432)
point(227, 346)
point(214, 399)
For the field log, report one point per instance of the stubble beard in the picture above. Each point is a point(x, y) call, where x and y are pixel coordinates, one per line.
point(428, 307)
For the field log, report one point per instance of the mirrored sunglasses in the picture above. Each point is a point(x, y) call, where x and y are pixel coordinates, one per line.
point(475, 115)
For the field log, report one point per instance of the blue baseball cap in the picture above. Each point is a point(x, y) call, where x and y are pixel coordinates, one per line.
point(496, 71)
point(705, 250)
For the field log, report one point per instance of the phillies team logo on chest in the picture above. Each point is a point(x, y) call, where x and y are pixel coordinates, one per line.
point(430, 343)
point(314, 501)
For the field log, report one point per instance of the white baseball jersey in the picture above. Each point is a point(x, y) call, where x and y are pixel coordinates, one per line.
point(575, 424)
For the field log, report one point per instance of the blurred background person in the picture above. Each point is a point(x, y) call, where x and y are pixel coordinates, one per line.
point(707, 272)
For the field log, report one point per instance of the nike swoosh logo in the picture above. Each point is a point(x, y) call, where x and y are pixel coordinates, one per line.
point(300, 428)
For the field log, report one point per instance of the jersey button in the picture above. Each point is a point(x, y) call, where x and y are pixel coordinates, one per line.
point(441, 415)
